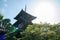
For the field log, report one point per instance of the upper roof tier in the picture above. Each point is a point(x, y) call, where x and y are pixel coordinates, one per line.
point(25, 16)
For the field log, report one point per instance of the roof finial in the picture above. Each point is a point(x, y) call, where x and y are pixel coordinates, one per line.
point(25, 8)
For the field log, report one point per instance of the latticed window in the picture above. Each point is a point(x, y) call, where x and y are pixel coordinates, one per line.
point(20, 26)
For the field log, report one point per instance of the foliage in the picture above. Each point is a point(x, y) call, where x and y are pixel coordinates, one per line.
point(1, 16)
point(41, 32)
point(7, 28)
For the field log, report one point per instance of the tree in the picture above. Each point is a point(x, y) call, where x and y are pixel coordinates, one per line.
point(6, 28)
point(1, 16)
point(41, 32)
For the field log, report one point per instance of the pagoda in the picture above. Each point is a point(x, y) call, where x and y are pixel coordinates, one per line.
point(23, 20)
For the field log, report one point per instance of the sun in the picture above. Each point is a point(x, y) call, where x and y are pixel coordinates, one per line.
point(45, 12)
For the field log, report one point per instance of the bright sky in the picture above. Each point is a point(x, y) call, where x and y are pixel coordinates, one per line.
point(45, 10)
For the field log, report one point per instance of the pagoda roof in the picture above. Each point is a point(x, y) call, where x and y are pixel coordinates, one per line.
point(21, 21)
point(24, 15)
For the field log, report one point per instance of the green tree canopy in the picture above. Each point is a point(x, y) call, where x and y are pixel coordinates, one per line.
point(41, 32)
point(1, 16)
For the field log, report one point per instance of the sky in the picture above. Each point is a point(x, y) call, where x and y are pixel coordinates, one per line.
point(45, 10)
